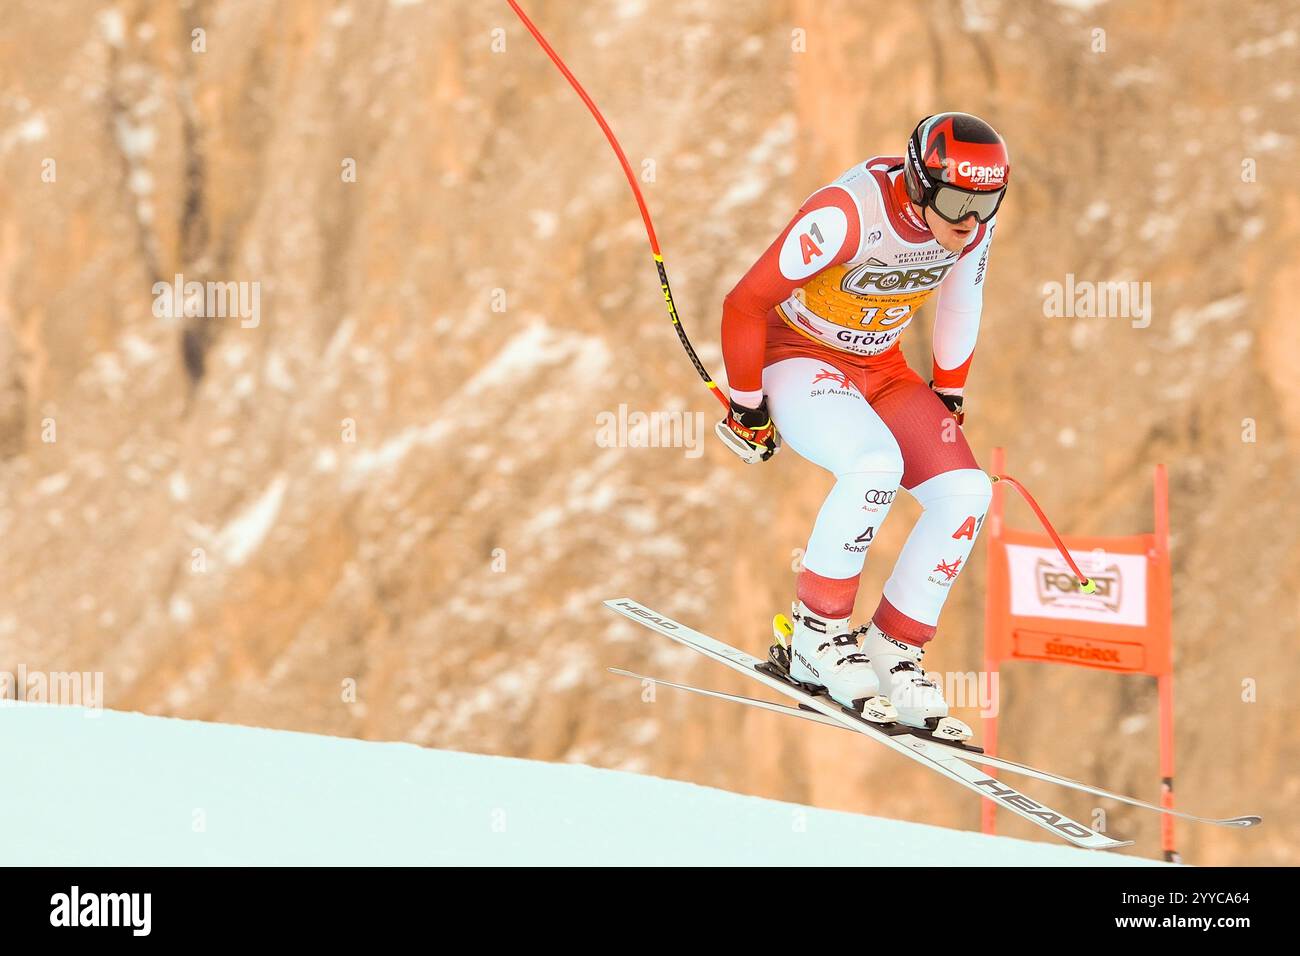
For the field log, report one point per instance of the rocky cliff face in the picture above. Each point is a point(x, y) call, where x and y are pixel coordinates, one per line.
point(377, 498)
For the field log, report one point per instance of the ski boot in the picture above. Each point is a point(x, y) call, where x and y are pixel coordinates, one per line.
point(918, 699)
point(821, 655)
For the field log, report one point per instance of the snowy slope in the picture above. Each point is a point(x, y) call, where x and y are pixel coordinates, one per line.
point(117, 788)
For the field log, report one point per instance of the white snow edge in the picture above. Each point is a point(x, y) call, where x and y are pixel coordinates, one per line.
point(131, 789)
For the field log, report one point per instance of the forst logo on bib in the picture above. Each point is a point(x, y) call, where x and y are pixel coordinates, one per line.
point(870, 277)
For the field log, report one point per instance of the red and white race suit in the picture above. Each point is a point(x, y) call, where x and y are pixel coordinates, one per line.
point(815, 325)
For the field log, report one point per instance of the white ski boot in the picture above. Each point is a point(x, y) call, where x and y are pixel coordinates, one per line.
point(823, 653)
point(919, 699)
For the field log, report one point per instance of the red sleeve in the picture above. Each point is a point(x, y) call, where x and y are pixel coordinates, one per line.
point(822, 234)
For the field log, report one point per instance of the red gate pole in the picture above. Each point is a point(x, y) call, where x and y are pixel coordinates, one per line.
point(1165, 681)
point(988, 809)
point(1166, 684)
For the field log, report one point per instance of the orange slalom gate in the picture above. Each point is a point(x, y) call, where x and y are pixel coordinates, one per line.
point(1034, 611)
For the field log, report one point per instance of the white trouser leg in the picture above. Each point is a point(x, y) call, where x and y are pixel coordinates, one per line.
point(829, 423)
point(955, 503)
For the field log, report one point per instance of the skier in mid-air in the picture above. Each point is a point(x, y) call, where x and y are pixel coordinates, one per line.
point(810, 339)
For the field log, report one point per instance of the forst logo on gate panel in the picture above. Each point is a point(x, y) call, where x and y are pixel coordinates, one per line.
point(1057, 584)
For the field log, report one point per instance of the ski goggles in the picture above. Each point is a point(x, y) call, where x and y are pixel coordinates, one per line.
point(955, 204)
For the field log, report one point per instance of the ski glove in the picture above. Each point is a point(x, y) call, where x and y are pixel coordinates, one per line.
point(954, 403)
point(749, 433)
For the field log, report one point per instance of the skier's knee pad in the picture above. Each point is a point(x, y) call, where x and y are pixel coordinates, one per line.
point(972, 486)
point(876, 462)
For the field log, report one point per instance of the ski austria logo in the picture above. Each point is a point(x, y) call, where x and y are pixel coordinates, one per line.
point(130, 910)
point(826, 375)
point(812, 242)
point(830, 381)
point(949, 570)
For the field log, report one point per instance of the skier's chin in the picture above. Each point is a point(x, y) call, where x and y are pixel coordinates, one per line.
point(955, 241)
point(955, 238)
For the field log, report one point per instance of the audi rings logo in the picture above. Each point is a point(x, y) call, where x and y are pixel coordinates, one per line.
point(877, 497)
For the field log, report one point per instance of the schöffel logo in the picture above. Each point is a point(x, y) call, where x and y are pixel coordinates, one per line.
point(867, 278)
point(861, 543)
point(1058, 585)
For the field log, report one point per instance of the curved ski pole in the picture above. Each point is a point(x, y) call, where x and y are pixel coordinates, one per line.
point(999, 763)
point(640, 201)
point(1086, 585)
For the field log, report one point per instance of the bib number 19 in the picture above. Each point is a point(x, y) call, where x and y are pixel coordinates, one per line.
point(875, 317)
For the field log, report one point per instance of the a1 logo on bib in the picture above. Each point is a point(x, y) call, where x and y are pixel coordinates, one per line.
point(812, 242)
